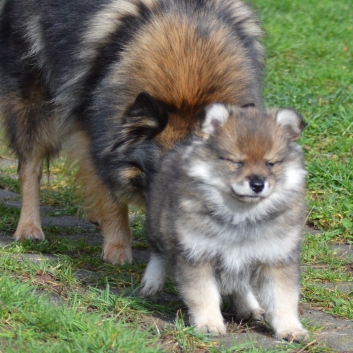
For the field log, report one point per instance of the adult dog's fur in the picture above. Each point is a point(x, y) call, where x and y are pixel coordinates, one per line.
point(124, 80)
point(225, 213)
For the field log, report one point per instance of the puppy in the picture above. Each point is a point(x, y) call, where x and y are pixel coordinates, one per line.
point(224, 216)
point(122, 81)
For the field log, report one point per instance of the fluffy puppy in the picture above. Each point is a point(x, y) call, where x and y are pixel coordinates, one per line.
point(224, 216)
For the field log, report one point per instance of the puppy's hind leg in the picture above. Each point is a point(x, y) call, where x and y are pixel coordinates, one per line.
point(155, 275)
point(245, 304)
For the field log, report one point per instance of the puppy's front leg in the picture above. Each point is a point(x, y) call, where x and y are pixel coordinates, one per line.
point(279, 291)
point(200, 293)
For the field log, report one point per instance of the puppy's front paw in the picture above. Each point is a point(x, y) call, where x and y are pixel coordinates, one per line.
point(209, 322)
point(297, 334)
point(217, 329)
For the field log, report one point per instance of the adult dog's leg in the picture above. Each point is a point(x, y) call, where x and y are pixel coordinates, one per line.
point(111, 217)
point(29, 225)
point(33, 133)
point(103, 210)
point(117, 234)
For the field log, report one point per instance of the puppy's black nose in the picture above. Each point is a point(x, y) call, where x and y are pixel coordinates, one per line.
point(257, 185)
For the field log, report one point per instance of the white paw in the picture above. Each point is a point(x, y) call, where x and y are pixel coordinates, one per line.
point(296, 334)
point(208, 320)
point(29, 231)
point(214, 327)
point(150, 289)
point(155, 275)
point(117, 254)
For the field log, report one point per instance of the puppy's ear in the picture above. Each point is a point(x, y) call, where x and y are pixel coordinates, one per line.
point(216, 115)
point(291, 121)
point(145, 117)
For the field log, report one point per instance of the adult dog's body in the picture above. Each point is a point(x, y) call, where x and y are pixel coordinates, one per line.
point(77, 69)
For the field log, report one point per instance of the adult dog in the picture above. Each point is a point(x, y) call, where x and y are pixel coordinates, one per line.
point(99, 73)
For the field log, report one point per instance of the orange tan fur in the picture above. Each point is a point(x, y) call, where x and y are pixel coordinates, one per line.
point(100, 206)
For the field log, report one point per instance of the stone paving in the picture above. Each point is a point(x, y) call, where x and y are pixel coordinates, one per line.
point(336, 333)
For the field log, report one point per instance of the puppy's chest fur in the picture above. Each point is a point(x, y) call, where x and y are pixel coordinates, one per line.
point(235, 246)
point(235, 250)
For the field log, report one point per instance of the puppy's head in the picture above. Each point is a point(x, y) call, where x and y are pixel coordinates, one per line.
point(248, 153)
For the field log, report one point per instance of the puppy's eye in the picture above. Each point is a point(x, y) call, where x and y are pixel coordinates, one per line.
point(237, 163)
point(271, 164)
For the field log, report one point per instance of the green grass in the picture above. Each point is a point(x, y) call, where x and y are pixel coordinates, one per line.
point(58, 191)
point(30, 322)
point(309, 67)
